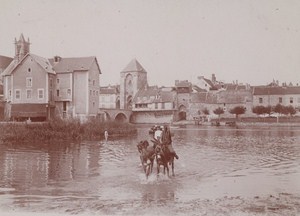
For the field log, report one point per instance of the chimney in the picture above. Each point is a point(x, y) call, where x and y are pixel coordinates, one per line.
point(57, 59)
point(213, 78)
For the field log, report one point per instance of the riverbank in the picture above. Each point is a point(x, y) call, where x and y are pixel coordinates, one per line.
point(62, 130)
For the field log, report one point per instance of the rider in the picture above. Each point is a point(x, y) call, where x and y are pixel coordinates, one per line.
point(158, 133)
point(167, 140)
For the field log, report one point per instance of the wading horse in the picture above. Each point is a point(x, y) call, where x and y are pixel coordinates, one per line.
point(163, 157)
point(147, 156)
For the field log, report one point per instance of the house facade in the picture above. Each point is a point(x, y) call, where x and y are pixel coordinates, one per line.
point(29, 88)
point(109, 97)
point(154, 105)
point(77, 87)
point(273, 95)
point(38, 88)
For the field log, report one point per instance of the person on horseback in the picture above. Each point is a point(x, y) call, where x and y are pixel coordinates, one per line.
point(158, 133)
point(167, 140)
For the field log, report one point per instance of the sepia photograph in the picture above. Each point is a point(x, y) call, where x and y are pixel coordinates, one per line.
point(150, 107)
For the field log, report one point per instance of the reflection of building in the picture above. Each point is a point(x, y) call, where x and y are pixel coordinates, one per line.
point(133, 78)
point(109, 97)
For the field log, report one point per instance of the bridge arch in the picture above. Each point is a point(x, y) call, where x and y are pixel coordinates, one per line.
point(121, 117)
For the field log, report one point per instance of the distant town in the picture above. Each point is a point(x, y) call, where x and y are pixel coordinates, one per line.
point(34, 88)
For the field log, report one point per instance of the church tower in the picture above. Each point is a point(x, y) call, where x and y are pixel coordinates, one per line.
point(22, 47)
point(133, 78)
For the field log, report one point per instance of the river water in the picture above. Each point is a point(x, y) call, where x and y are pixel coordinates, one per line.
point(220, 171)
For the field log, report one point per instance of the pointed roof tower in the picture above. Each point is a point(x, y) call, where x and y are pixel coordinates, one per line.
point(134, 66)
point(22, 47)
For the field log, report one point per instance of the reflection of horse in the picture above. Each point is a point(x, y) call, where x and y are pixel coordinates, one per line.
point(147, 155)
point(163, 157)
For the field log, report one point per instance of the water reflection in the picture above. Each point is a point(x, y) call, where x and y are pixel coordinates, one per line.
point(213, 162)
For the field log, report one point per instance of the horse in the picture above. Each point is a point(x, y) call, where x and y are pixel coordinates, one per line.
point(163, 157)
point(147, 156)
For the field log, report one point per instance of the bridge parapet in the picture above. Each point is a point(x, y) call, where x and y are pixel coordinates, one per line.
point(122, 115)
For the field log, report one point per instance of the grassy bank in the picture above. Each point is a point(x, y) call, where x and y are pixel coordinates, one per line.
point(62, 130)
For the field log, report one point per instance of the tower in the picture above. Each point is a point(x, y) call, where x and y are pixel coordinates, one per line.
point(133, 78)
point(22, 47)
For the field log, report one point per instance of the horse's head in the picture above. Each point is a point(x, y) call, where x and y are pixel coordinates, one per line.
point(142, 145)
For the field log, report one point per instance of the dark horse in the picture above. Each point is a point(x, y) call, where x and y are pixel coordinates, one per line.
point(163, 157)
point(147, 155)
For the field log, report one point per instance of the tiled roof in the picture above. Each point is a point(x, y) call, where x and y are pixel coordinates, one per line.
point(184, 83)
point(276, 90)
point(134, 66)
point(153, 94)
point(209, 82)
point(43, 62)
point(109, 90)
point(4, 62)
point(73, 64)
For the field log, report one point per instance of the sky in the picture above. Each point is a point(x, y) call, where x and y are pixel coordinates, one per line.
point(249, 41)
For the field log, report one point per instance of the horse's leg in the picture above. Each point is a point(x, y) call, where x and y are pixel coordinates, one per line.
point(173, 168)
point(168, 170)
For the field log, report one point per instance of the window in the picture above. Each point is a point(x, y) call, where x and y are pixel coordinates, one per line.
point(28, 82)
point(40, 93)
point(280, 100)
point(156, 105)
point(93, 104)
point(9, 94)
point(51, 95)
point(163, 105)
point(57, 81)
point(18, 94)
point(94, 82)
point(29, 70)
point(51, 83)
point(260, 100)
point(57, 93)
point(69, 92)
point(28, 93)
point(90, 92)
point(291, 100)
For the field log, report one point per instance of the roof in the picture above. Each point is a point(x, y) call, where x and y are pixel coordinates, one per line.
point(43, 62)
point(73, 64)
point(4, 62)
point(153, 94)
point(29, 110)
point(276, 90)
point(183, 84)
point(110, 90)
point(134, 66)
point(209, 82)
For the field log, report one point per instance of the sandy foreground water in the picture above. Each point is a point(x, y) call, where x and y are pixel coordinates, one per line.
point(283, 204)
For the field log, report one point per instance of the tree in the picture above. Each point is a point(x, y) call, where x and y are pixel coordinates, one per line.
point(258, 110)
point(291, 110)
point(219, 111)
point(278, 109)
point(268, 110)
point(238, 110)
point(205, 111)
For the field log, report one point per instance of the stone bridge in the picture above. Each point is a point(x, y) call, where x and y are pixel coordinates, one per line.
point(120, 115)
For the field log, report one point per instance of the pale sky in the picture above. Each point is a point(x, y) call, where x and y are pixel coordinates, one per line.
point(252, 41)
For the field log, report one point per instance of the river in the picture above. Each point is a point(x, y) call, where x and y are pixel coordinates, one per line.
point(220, 171)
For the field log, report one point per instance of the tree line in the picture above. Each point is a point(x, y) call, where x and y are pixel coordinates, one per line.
point(259, 110)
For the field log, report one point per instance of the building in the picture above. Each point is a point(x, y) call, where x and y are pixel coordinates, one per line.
point(133, 78)
point(154, 105)
point(40, 88)
point(109, 97)
point(273, 94)
point(77, 87)
point(29, 89)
